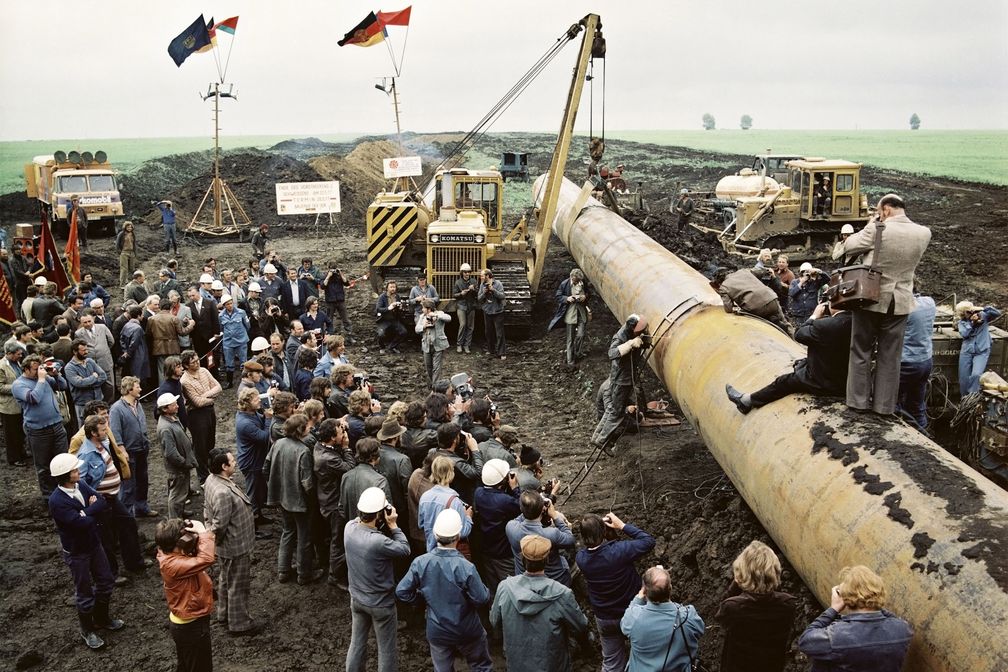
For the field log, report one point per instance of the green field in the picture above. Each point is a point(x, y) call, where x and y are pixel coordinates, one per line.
point(977, 156)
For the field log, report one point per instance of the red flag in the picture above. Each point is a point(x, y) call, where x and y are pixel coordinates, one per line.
point(400, 18)
point(72, 250)
point(7, 312)
point(227, 25)
point(48, 256)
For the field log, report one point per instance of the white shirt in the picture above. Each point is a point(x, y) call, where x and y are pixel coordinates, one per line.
point(295, 297)
point(75, 493)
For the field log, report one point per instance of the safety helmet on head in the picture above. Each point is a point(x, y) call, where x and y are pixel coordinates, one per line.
point(448, 524)
point(465, 268)
point(225, 298)
point(254, 287)
point(206, 279)
point(217, 286)
point(846, 228)
point(63, 464)
point(495, 471)
point(259, 344)
point(372, 500)
point(269, 268)
point(41, 281)
point(166, 399)
point(805, 268)
point(684, 191)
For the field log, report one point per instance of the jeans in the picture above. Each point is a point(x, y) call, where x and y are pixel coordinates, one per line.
point(92, 577)
point(118, 531)
point(971, 367)
point(203, 428)
point(575, 341)
point(495, 338)
point(234, 356)
point(178, 492)
point(475, 651)
point(383, 621)
point(133, 491)
point(45, 444)
point(614, 650)
point(913, 390)
point(192, 645)
point(466, 321)
point(169, 237)
point(296, 530)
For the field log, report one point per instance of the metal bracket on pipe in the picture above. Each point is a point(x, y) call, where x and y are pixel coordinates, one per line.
point(576, 207)
point(671, 317)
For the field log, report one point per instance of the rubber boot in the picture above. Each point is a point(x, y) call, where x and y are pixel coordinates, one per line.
point(101, 617)
point(229, 379)
point(87, 631)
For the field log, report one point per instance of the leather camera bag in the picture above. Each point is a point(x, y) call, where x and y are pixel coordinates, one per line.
point(853, 287)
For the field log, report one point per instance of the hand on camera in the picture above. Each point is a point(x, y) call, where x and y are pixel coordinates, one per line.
point(836, 602)
point(613, 521)
point(195, 526)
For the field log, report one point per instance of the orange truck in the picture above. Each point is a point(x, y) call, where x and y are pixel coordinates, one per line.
point(54, 179)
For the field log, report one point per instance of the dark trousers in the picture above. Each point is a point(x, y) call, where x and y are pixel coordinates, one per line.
point(881, 333)
point(782, 386)
point(296, 533)
point(391, 334)
point(496, 339)
point(14, 437)
point(612, 425)
point(337, 556)
point(192, 645)
point(91, 576)
point(45, 444)
point(334, 308)
point(201, 345)
point(118, 530)
point(203, 427)
point(255, 488)
point(913, 389)
point(133, 491)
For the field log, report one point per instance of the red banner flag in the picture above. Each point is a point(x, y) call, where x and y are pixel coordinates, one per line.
point(48, 256)
point(8, 313)
point(72, 250)
point(400, 18)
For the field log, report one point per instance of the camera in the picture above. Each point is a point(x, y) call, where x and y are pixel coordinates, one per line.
point(493, 410)
point(360, 380)
point(460, 381)
point(188, 541)
point(388, 508)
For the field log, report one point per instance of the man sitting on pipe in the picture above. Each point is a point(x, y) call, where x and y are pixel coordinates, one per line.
point(746, 291)
point(627, 363)
point(823, 372)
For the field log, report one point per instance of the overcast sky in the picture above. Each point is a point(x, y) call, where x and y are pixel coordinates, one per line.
point(100, 68)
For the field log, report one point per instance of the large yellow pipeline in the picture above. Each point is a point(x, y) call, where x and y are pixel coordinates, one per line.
point(831, 486)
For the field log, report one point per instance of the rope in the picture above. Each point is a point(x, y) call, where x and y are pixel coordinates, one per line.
point(220, 342)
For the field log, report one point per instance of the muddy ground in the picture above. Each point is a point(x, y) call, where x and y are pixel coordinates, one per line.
point(663, 480)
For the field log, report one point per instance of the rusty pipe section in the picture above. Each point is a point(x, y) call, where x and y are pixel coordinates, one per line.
point(831, 486)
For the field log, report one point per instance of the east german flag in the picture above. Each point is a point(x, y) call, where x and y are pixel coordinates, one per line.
point(367, 33)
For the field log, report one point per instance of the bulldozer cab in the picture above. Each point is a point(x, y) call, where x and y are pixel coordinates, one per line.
point(775, 165)
point(475, 191)
point(829, 190)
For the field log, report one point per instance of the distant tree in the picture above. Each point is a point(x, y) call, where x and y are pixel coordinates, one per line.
point(708, 121)
point(914, 122)
point(746, 122)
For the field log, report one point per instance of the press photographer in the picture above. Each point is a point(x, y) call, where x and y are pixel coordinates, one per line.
point(430, 325)
point(391, 311)
point(185, 551)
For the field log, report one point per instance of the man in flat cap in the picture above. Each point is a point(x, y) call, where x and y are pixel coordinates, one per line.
point(537, 614)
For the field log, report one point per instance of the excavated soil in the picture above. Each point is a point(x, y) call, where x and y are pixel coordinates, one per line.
point(663, 480)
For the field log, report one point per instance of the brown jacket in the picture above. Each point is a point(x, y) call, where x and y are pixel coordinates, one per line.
point(187, 587)
point(164, 330)
point(118, 454)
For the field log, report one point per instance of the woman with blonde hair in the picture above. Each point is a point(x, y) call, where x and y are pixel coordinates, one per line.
point(973, 326)
point(758, 619)
point(856, 633)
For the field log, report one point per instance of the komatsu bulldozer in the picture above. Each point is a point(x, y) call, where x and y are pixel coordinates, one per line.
point(801, 215)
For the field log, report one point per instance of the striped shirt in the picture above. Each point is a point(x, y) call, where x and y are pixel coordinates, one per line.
point(111, 481)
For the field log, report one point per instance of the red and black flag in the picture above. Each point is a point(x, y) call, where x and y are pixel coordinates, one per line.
point(48, 257)
point(400, 18)
point(7, 312)
point(367, 33)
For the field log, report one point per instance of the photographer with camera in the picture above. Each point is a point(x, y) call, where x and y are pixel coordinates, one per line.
point(530, 471)
point(186, 550)
point(491, 298)
point(533, 507)
point(974, 327)
point(333, 285)
point(440, 497)
point(361, 406)
point(803, 294)
point(467, 460)
point(464, 293)
point(419, 292)
point(290, 484)
point(45, 434)
point(430, 325)
point(498, 446)
point(497, 501)
point(607, 564)
point(625, 373)
point(485, 419)
point(342, 377)
point(370, 553)
point(664, 635)
point(390, 311)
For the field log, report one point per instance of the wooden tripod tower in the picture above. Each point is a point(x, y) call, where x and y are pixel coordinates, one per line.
point(238, 220)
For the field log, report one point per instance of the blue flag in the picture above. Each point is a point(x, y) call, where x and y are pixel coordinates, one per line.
point(189, 41)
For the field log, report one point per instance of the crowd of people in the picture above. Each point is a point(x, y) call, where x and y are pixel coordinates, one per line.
point(430, 512)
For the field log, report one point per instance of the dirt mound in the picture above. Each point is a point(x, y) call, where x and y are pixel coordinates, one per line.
point(360, 175)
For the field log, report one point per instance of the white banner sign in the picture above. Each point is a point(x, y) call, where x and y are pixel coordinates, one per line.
point(402, 166)
point(307, 198)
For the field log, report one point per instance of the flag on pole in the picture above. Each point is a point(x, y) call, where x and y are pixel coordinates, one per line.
point(367, 33)
point(48, 257)
point(227, 25)
point(7, 312)
point(213, 38)
point(400, 18)
point(189, 41)
point(72, 250)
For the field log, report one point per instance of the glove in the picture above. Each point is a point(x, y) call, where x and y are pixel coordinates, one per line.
point(625, 348)
point(637, 342)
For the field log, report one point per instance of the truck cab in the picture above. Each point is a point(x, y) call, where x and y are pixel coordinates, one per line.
point(54, 179)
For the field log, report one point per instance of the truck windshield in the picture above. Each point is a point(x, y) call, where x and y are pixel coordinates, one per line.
point(102, 182)
point(478, 196)
point(73, 183)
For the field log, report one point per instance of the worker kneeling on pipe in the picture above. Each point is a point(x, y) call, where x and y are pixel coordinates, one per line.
point(823, 372)
point(627, 363)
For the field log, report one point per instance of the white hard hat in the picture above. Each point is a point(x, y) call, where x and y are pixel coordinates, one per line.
point(466, 268)
point(217, 285)
point(205, 278)
point(225, 298)
point(97, 303)
point(372, 500)
point(846, 228)
point(259, 344)
point(40, 281)
point(166, 399)
point(684, 191)
point(495, 471)
point(805, 267)
point(64, 463)
point(269, 268)
point(448, 524)
point(254, 287)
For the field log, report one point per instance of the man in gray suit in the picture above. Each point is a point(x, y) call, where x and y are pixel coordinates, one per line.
point(430, 325)
point(882, 324)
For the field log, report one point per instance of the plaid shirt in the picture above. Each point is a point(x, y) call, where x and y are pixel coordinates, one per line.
point(228, 514)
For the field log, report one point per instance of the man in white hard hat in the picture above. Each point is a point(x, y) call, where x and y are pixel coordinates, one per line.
point(217, 291)
point(846, 231)
point(803, 294)
point(74, 507)
point(270, 283)
point(180, 459)
point(206, 286)
point(235, 327)
point(369, 558)
point(464, 293)
point(254, 308)
point(452, 590)
point(683, 209)
point(497, 503)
